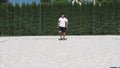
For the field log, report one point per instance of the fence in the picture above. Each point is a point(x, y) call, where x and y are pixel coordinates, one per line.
point(41, 19)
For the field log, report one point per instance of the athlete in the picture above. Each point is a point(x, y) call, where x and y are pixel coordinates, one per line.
point(62, 26)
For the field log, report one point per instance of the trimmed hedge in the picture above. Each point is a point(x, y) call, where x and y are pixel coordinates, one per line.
point(41, 19)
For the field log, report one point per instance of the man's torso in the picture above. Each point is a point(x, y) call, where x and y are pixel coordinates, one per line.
point(63, 21)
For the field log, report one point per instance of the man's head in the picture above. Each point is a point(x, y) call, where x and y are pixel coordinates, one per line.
point(63, 15)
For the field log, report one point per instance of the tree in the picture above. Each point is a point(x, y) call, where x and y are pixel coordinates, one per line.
point(60, 0)
point(17, 20)
point(108, 1)
point(3, 1)
point(101, 2)
point(45, 1)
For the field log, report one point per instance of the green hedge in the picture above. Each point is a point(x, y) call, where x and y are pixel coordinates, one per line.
point(41, 19)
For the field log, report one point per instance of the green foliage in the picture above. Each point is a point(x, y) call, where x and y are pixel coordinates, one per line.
point(45, 1)
point(3, 1)
point(41, 19)
point(108, 1)
point(6, 19)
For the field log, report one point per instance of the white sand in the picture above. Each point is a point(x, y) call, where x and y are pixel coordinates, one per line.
point(49, 52)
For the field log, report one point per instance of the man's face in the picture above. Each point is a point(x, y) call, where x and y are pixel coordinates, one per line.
point(62, 15)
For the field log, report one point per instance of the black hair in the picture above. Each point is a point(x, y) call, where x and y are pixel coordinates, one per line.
point(62, 13)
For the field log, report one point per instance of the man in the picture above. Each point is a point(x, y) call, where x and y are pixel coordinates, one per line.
point(62, 26)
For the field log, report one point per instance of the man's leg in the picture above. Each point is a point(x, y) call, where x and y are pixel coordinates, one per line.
point(60, 32)
point(64, 34)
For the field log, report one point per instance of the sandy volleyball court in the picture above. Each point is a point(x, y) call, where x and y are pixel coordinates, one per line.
point(49, 52)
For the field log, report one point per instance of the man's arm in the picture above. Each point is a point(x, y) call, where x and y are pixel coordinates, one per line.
point(58, 23)
point(66, 24)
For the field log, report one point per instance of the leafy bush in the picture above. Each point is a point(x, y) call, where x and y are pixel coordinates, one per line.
point(41, 19)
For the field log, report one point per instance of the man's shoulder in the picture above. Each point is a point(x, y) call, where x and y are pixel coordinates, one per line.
point(65, 18)
point(60, 18)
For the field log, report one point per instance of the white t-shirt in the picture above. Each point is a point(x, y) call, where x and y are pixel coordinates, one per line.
point(63, 21)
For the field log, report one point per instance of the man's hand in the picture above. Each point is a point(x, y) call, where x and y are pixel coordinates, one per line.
point(66, 27)
point(57, 27)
